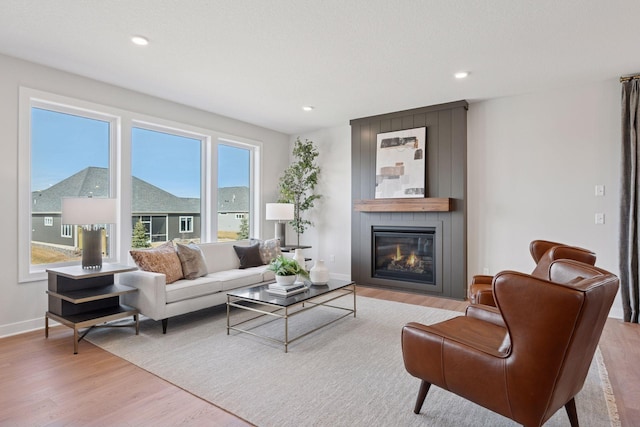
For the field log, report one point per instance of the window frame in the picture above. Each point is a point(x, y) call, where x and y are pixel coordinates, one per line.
point(120, 172)
point(29, 99)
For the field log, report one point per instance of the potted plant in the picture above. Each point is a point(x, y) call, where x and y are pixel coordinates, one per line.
point(286, 269)
point(298, 183)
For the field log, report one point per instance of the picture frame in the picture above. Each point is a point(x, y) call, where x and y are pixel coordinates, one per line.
point(401, 164)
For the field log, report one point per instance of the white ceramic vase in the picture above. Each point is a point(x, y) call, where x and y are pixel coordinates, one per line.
point(319, 274)
point(300, 258)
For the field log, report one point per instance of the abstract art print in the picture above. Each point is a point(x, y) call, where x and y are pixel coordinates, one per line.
point(401, 164)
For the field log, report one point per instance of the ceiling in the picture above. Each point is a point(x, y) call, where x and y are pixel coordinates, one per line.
point(261, 61)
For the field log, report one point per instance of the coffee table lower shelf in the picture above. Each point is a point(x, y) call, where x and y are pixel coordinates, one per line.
point(258, 300)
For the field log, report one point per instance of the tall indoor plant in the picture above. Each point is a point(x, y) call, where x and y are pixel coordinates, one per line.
point(298, 183)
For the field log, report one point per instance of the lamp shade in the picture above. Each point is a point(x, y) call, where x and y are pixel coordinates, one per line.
point(279, 211)
point(88, 211)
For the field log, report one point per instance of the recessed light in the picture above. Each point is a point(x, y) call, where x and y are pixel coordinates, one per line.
point(308, 108)
point(461, 74)
point(140, 41)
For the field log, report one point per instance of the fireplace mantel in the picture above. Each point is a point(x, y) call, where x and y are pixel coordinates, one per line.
point(429, 204)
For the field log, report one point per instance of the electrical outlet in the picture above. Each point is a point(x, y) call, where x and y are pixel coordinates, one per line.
point(599, 218)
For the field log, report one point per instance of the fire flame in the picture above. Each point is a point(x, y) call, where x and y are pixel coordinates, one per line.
point(412, 259)
point(398, 254)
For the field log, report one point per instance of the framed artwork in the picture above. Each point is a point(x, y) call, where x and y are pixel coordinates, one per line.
point(401, 164)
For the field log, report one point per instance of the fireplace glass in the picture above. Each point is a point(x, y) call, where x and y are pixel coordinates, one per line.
point(404, 254)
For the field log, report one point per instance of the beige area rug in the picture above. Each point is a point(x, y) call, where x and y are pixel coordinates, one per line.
point(348, 374)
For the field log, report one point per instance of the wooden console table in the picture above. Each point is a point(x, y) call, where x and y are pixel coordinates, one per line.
point(84, 298)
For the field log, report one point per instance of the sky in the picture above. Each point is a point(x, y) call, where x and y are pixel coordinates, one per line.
point(63, 144)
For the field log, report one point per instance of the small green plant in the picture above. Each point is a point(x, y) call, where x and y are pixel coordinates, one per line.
point(284, 266)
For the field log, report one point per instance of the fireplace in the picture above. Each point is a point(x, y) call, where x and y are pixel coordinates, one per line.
point(404, 254)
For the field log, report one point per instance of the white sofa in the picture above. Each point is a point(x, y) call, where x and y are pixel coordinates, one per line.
point(159, 301)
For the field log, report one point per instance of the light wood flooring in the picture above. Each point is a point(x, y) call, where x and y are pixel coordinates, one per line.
point(42, 383)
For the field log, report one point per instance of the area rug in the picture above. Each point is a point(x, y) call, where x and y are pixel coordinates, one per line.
point(350, 373)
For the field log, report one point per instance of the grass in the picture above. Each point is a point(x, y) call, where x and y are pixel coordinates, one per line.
point(46, 255)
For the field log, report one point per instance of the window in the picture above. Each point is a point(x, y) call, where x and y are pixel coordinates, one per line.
point(186, 224)
point(66, 231)
point(171, 177)
point(69, 156)
point(234, 191)
point(166, 178)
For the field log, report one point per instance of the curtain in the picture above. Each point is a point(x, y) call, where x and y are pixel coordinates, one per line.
point(629, 209)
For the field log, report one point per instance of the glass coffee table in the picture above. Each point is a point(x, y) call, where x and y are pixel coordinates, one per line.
point(258, 300)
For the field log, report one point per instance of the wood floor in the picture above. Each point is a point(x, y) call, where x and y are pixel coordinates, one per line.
point(42, 383)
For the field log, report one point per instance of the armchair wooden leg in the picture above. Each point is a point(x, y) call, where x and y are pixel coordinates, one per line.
point(424, 389)
point(570, 407)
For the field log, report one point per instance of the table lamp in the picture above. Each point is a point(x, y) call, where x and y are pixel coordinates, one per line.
point(90, 213)
point(280, 212)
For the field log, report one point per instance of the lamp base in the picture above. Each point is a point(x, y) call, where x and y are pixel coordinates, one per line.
point(280, 233)
point(92, 249)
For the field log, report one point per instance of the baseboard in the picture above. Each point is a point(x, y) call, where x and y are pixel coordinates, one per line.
point(616, 312)
point(22, 327)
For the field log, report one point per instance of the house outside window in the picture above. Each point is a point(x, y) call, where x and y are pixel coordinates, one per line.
point(48, 221)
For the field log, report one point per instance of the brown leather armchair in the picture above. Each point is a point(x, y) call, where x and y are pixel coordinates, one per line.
point(533, 359)
point(543, 253)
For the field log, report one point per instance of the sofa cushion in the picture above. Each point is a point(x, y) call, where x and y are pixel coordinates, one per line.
point(249, 256)
point(188, 289)
point(162, 259)
point(233, 279)
point(220, 256)
point(192, 260)
point(269, 249)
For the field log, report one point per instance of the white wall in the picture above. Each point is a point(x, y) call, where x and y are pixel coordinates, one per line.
point(331, 234)
point(533, 162)
point(22, 305)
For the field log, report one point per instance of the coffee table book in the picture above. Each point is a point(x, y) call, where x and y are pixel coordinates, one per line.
point(277, 289)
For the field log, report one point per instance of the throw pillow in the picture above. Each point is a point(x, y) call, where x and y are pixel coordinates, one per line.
point(192, 260)
point(162, 259)
point(249, 256)
point(269, 249)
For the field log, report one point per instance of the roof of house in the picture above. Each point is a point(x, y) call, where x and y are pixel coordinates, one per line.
point(147, 198)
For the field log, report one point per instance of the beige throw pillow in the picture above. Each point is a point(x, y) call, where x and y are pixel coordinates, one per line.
point(162, 259)
point(192, 260)
point(269, 249)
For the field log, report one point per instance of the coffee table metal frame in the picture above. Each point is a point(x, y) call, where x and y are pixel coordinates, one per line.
point(253, 299)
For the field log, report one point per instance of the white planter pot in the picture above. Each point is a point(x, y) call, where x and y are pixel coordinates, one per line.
point(286, 280)
point(300, 259)
point(319, 274)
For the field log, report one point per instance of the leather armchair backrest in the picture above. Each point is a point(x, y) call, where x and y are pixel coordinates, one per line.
point(556, 251)
point(554, 330)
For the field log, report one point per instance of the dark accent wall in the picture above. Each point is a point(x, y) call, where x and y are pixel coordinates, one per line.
point(446, 157)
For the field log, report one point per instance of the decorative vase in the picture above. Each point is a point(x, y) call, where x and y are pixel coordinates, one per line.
point(286, 280)
point(300, 259)
point(319, 274)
